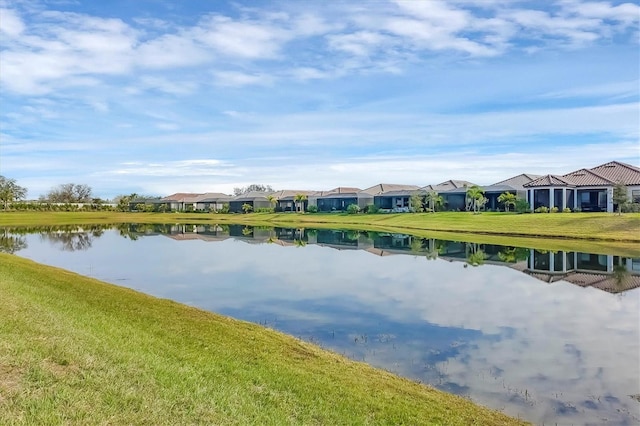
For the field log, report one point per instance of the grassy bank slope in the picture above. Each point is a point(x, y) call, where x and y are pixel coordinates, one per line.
point(588, 226)
point(76, 350)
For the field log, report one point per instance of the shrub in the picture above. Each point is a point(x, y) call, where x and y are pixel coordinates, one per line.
point(577, 210)
point(630, 208)
point(522, 206)
point(566, 210)
point(554, 209)
point(372, 209)
point(312, 209)
point(224, 209)
point(353, 209)
point(264, 210)
point(542, 209)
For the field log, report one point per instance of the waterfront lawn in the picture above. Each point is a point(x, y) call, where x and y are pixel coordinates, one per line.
point(587, 226)
point(74, 350)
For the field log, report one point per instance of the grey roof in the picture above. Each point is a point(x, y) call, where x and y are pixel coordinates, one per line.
point(382, 188)
point(182, 197)
point(342, 189)
point(290, 194)
point(252, 196)
point(400, 193)
point(213, 197)
point(448, 185)
point(519, 180)
point(489, 188)
point(210, 196)
point(358, 194)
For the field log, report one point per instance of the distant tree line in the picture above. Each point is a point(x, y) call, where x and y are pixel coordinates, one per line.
point(251, 188)
point(68, 193)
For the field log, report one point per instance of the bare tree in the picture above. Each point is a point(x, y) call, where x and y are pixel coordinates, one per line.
point(69, 193)
point(10, 191)
point(253, 187)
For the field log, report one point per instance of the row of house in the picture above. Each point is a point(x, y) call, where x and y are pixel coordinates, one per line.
point(584, 189)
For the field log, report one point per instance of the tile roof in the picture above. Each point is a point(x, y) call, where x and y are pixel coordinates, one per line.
point(619, 172)
point(550, 180)
point(584, 177)
point(606, 282)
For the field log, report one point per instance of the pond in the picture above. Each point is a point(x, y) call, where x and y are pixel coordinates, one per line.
point(551, 337)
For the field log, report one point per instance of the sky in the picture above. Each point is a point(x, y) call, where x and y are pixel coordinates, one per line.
point(157, 97)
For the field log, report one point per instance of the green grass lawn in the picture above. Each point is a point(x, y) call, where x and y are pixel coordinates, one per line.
point(74, 350)
point(591, 226)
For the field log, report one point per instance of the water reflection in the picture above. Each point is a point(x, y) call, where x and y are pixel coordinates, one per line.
point(611, 273)
point(498, 332)
point(11, 243)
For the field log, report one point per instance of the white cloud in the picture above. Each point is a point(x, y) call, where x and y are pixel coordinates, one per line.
point(171, 51)
point(173, 87)
point(250, 40)
point(10, 23)
point(360, 43)
point(615, 90)
point(238, 79)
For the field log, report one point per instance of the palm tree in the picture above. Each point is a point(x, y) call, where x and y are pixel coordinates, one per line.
point(272, 201)
point(475, 196)
point(299, 200)
point(416, 245)
point(247, 208)
point(475, 254)
point(434, 200)
point(507, 198)
point(432, 249)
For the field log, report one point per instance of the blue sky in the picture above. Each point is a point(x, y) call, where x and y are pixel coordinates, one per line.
point(157, 97)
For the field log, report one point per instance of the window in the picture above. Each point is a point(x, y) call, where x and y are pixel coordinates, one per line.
point(635, 196)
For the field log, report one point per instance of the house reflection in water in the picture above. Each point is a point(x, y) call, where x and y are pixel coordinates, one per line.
point(608, 272)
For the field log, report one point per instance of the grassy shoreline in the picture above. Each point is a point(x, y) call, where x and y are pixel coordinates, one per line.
point(603, 233)
point(75, 350)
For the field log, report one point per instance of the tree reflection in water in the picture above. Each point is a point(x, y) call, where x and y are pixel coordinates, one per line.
point(11, 243)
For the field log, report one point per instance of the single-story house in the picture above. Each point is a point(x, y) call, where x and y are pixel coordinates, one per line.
point(211, 201)
point(338, 199)
point(453, 192)
point(180, 201)
point(286, 200)
point(585, 189)
point(392, 197)
point(256, 199)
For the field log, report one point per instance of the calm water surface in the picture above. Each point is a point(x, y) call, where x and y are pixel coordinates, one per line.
point(550, 337)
